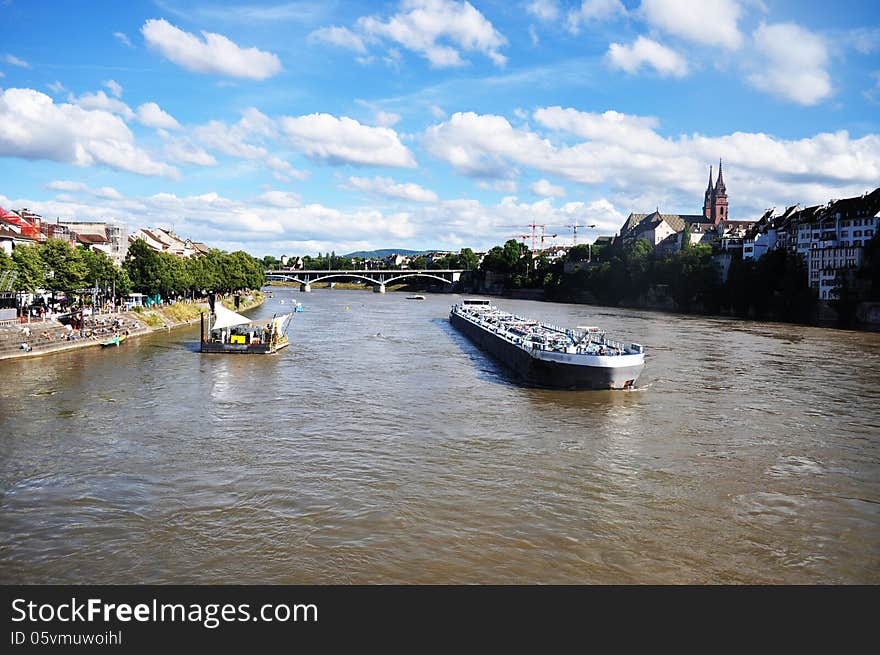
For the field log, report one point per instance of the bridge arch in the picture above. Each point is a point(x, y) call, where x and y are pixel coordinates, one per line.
point(274, 277)
point(354, 275)
point(401, 277)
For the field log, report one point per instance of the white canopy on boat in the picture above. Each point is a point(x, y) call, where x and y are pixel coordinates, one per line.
point(278, 323)
point(227, 318)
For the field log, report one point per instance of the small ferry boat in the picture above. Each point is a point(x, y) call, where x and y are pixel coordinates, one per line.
point(547, 355)
point(225, 331)
point(114, 340)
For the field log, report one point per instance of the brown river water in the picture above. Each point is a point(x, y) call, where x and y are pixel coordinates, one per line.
point(382, 447)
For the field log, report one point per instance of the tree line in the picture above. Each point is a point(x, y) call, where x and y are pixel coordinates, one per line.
point(465, 259)
point(635, 274)
point(58, 267)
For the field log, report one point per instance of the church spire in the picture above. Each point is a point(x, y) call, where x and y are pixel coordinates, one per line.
point(720, 189)
point(709, 198)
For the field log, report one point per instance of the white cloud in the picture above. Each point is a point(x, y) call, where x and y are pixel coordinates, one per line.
point(341, 37)
point(56, 87)
point(185, 152)
point(385, 186)
point(346, 141)
point(792, 63)
point(627, 154)
point(546, 10)
point(79, 187)
point(115, 87)
point(593, 10)
point(32, 126)
point(123, 39)
point(66, 185)
point(501, 186)
point(216, 54)
point(546, 189)
point(438, 30)
point(107, 192)
point(437, 112)
point(100, 100)
point(644, 51)
point(387, 119)
point(244, 139)
point(280, 199)
point(15, 61)
point(151, 115)
point(710, 22)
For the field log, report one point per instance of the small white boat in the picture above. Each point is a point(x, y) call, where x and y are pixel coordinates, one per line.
point(415, 297)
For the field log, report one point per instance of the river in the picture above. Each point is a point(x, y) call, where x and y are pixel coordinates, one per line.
point(382, 447)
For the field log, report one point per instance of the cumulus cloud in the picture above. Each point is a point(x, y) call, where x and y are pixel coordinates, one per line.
point(710, 22)
point(216, 54)
point(66, 185)
point(151, 115)
point(100, 100)
point(387, 119)
point(325, 137)
point(183, 151)
point(32, 126)
point(280, 198)
point(546, 10)
point(628, 154)
point(593, 10)
point(792, 63)
point(245, 139)
point(644, 51)
point(341, 37)
point(439, 31)
point(546, 189)
point(385, 186)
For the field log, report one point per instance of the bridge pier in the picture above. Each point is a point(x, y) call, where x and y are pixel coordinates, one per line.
point(379, 288)
point(305, 288)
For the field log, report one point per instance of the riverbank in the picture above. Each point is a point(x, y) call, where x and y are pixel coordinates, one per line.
point(49, 337)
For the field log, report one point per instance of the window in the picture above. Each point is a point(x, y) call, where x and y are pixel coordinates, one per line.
point(845, 233)
point(857, 233)
point(869, 233)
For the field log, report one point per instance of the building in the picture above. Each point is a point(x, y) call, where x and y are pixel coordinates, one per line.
point(837, 238)
point(666, 231)
point(715, 199)
point(104, 236)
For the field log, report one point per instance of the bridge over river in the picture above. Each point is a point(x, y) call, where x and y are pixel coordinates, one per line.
point(378, 278)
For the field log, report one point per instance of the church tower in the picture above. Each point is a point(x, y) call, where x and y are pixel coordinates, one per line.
point(719, 199)
point(709, 198)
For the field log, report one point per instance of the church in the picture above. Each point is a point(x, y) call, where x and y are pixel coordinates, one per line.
point(666, 231)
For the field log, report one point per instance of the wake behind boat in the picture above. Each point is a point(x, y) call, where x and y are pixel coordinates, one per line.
point(224, 331)
point(546, 355)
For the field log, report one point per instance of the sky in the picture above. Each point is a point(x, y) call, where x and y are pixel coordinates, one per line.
point(315, 125)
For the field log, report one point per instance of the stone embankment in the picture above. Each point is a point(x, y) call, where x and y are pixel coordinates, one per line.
point(50, 336)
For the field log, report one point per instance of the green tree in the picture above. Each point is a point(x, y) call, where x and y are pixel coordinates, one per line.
point(143, 268)
point(65, 269)
point(468, 260)
point(30, 268)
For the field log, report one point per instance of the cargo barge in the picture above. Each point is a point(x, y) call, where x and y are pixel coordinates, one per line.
point(546, 355)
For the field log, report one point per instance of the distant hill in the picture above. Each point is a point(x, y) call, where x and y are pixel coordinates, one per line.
point(385, 252)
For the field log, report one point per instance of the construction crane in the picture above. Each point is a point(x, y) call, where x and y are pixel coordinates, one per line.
point(549, 236)
point(534, 227)
point(574, 231)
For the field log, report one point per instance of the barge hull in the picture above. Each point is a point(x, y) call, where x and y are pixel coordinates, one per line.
point(540, 373)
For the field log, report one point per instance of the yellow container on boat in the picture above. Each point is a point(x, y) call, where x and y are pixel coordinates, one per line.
point(236, 338)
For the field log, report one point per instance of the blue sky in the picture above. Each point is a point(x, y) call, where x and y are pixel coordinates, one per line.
point(305, 126)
